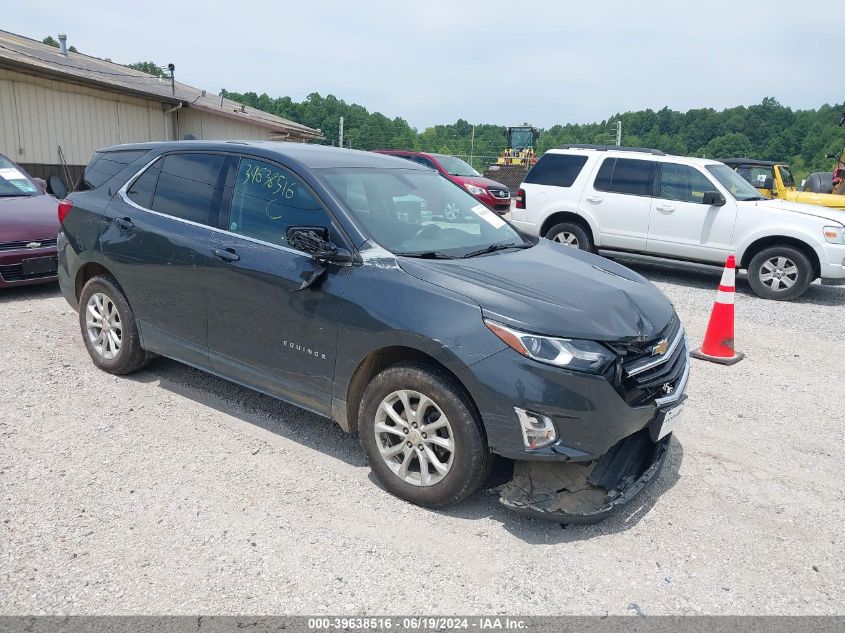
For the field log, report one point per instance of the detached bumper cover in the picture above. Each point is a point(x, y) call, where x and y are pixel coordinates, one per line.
point(586, 493)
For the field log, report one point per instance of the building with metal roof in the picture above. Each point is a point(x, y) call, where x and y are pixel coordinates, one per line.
point(58, 106)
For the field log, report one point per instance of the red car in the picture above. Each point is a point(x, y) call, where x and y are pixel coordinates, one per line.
point(29, 225)
point(493, 194)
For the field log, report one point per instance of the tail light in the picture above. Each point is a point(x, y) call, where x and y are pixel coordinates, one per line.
point(520, 198)
point(64, 207)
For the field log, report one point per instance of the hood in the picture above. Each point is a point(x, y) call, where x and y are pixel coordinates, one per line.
point(479, 181)
point(554, 290)
point(28, 218)
point(825, 213)
point(831, 200)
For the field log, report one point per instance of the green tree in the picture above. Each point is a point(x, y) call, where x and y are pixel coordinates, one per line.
point(151, 68)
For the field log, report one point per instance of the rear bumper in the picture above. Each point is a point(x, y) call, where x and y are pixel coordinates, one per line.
point(573, 493)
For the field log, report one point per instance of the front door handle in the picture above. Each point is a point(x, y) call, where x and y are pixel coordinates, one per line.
point(666, 208)
point(594, 199)
point(227, 254)
point(124, 224)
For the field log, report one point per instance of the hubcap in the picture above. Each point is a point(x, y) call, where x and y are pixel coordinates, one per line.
point(779, 273)
point(414, 438)
point(451, 211)
point(102, 324)
point(566, 238)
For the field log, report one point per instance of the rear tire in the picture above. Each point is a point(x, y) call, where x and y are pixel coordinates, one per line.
point(109, 329)
point(570, 234)
point(412, 415)
point(781, 273)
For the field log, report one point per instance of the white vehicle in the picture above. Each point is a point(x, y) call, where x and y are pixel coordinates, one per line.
point(642, 204)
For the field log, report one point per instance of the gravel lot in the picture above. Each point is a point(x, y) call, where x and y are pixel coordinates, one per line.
point(172, 491)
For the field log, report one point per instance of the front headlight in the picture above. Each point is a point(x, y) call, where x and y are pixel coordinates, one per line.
point(474, 190)
point(834, 234)
point(575, 354)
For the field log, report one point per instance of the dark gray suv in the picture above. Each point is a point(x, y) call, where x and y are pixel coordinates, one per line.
point(327, 278)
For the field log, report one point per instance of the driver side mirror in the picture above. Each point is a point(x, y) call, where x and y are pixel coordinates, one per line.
point(314, 240)
point(57, 187)
point(713, 198)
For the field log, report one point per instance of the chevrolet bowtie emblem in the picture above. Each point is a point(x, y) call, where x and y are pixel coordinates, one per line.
point(661, 347)
point(34, 245)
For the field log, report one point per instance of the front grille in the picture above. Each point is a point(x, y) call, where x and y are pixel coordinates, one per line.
point(649, 377)
point(502, 194)
point(14, 272)
point(25, 245)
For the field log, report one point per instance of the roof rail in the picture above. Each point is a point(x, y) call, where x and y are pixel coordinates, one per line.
point(615, 148)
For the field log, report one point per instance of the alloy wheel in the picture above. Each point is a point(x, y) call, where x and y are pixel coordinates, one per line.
point(414, 438)
point(451, 211)
point(567, 239)
point(103, 326)
point(779, 273)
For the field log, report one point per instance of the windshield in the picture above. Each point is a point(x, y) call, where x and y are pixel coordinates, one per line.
point(786, 176)
point(455, 166)
point(738, 186)
point(420, 213)
point(522, 138)
point(13, 182)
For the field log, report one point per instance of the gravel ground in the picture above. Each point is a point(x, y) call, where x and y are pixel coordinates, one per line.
point(174, 492)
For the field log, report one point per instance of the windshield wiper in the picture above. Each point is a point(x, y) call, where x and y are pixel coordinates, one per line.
point(427, 255)
point(14, 195)
point(495, 247)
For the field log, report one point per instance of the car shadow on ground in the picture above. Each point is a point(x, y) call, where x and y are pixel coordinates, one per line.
point(29, 293)
point(266, 412)
point(816, 294)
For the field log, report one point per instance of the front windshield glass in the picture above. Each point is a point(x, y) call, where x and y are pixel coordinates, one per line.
point(455, 166)
point(13, 182)
point(786, 176)
point(420, 213)
point(738, 186)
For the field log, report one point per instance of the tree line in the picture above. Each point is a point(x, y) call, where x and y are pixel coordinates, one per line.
point(768, 131)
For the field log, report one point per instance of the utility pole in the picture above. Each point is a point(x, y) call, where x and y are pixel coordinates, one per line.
point(472, 145)
point(619, 133)
point(340, 133)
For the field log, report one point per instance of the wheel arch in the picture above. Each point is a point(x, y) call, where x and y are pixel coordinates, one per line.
point(86, 272)
point(567, 216)
point(761, 243)
point(377, 361)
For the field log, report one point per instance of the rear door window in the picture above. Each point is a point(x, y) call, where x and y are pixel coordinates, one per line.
point(557, 170)
point(268, 199)
point(190, 187)
point(626, 175)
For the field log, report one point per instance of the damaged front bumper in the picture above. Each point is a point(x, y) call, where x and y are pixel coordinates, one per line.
point(586, 492)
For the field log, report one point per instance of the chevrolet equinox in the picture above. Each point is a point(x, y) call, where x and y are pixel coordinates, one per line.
point(313, 274)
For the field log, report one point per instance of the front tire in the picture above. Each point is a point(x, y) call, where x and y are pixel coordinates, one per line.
point(570, 234)
point(422, 436)
point(781, 273)
point(109, 329)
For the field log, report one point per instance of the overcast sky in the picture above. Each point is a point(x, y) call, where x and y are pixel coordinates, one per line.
point(507, 62)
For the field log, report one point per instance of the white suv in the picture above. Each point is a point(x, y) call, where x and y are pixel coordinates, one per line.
point(642, 204)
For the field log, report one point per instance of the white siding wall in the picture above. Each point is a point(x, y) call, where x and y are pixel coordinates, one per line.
point(38, 115)
point(209, 127)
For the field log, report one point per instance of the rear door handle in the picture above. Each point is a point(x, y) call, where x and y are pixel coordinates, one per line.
point(227, 255)
point(124, 224)
point(594, 199)
point(667, 208)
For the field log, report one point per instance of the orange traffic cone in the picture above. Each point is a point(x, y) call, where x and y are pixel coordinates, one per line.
point(718, 346)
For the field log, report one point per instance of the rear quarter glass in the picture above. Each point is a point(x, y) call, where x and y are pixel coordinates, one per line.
point(557, 170)
point(105, 165)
